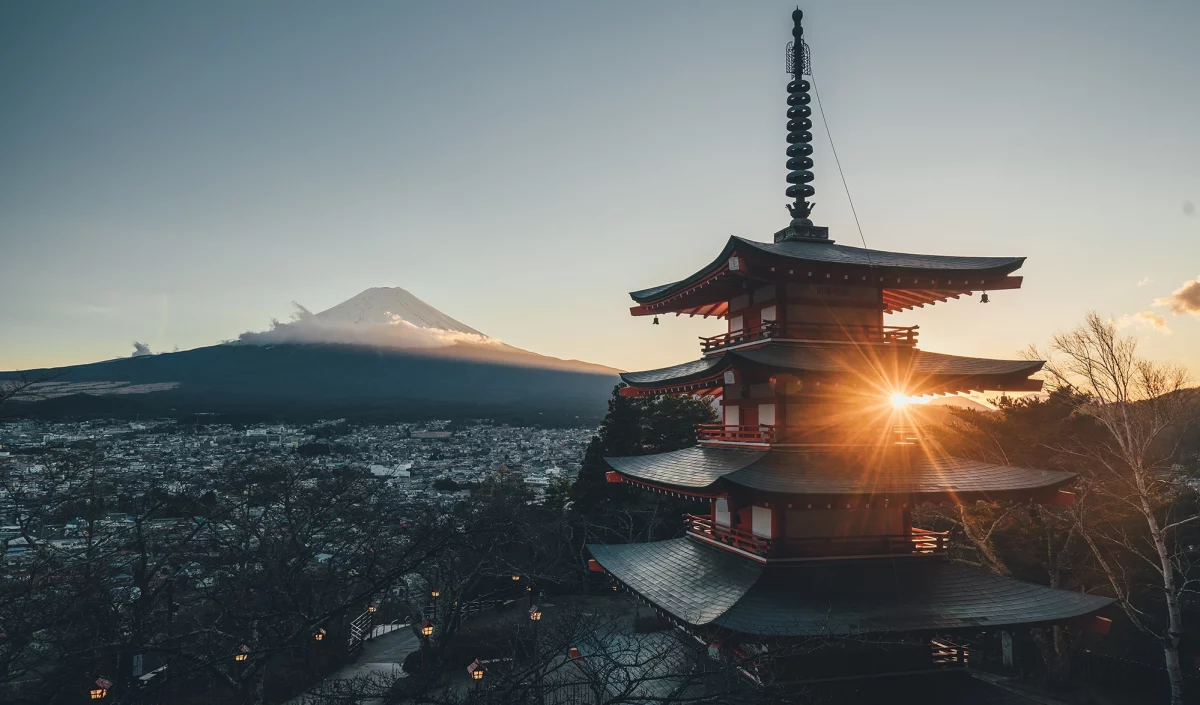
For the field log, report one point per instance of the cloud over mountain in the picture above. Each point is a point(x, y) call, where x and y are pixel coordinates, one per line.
point(306, 327)
point(384, 317)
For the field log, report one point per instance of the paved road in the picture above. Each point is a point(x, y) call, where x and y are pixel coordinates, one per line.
point(381, 657)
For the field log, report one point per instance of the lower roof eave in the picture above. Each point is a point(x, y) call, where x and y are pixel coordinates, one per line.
point(714, 590)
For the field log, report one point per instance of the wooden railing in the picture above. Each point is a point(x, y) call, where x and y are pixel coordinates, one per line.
point(892, 335)
point(799, 436)
point(744, 540)
point(926, 541)
point(735, 434)
point(945, 653)
point(921, 541)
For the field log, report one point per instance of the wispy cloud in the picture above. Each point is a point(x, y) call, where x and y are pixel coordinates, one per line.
point(305, 327)
point(1185, 299)
point(1146, 318)
point(1144, 281)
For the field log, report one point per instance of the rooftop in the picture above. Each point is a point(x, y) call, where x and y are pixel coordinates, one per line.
point(918, 473)
point(708, 587)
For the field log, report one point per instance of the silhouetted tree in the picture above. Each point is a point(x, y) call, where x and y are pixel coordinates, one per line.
point(1133, 468)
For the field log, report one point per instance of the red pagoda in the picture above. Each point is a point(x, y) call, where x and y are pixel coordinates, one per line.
point(809, 483)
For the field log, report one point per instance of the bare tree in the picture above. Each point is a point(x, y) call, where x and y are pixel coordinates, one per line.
point(1142, 407)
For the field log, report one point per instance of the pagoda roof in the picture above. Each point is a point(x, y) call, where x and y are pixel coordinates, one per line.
point(923, 373)
point(923, 475)
point(709, 587)
point(971, 273)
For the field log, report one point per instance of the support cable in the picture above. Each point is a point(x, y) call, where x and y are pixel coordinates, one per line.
point(838, 162)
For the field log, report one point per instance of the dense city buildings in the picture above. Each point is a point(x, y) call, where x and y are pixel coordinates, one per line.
point(434, 462)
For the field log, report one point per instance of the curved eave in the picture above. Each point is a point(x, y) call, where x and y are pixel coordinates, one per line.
point(823, 477)
point(657, 293)
point(696, 377)
point(924, 479)
point(878, 367)
point(908, 280)
point(711, 588)
point(692, 470)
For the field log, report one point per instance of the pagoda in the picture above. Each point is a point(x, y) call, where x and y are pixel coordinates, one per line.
point(809, 482)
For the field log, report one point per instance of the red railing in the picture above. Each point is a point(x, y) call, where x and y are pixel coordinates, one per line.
point(922, 541)
point(715, 432)
point(735, 434)
point(893, 335)
point(948, 654)
point(926, 541)
point(744, 540)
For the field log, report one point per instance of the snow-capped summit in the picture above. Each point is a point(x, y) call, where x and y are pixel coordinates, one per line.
point(386, 304)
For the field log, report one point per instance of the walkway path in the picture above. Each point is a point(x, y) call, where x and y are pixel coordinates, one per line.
point(380, 658)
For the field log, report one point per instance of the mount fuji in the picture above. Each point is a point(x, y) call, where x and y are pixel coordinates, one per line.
point(383, 354)
point(385, 305)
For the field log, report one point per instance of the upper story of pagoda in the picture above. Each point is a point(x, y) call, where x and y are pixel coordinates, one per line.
point(806, 358)
point(824, 282)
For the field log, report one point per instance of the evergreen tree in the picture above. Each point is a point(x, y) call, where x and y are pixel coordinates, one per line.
point(634, 426)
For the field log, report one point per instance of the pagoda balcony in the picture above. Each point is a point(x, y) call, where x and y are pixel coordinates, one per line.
point(721, 434)
point(705, 527)
point(920, 542)
point(736, 434)
point(773, 330)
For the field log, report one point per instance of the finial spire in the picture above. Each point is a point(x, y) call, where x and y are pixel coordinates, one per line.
point(799, 138)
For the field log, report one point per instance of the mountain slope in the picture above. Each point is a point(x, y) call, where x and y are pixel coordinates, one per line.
point(323, 381)
point(383, 353)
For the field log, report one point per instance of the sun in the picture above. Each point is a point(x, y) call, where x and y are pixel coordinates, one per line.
point(899, 401)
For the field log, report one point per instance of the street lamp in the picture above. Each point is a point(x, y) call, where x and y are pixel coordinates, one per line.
point(435, 593)
point(100, 689)
point(373, 607)
point(319, 634)
point(535, 613)
point(426, 631)
point(242, 654)
point(516, 578)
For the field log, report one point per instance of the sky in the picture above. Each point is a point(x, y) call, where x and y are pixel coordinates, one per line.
point(179, 173)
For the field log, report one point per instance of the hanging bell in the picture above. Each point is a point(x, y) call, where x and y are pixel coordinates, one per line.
point(984, 298)
point(656, 319)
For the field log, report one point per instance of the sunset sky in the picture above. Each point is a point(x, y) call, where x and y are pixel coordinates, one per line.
point(177, 173)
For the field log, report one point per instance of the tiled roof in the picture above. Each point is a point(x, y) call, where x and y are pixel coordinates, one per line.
point(834, 474)
point(931, 363)
point(695, 583)
point(827, 253)
point(924, 368)
point(676, 373)
point(702, 585)
point(693, 467)
point(822, 473)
